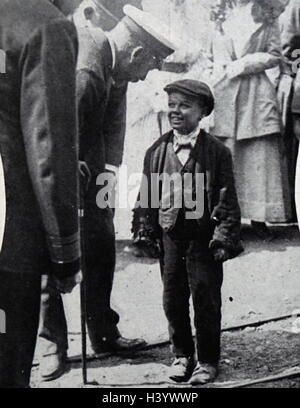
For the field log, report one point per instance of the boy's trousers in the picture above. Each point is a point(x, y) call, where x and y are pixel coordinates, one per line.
point(190, 270)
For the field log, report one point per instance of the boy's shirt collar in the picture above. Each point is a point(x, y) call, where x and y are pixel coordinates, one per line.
point(191, 138)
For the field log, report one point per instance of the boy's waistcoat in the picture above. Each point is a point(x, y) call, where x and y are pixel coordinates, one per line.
point(173, 196)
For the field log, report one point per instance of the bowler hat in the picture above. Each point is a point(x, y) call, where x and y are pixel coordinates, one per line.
point(195, 89)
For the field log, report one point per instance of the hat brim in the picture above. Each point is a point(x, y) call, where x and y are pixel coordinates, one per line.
point(151, 30)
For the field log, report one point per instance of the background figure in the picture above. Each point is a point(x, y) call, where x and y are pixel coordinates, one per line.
point(290, 35)
point(38, 141)
point(246, 114)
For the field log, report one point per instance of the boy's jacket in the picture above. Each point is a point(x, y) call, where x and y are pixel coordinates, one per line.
point(213, 159)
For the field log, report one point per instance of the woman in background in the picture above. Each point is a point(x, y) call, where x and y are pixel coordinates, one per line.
point(245, 42)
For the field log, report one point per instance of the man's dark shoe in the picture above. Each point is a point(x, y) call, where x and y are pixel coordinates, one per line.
point(121, 344)
point(53, 366)
point(182, 369)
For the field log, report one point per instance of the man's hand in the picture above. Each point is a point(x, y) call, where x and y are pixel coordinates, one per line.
point(284, 95)
point(66, 285)
point(220, 255)
point(85, 174)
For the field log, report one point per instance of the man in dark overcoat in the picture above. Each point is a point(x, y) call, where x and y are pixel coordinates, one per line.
point(106, 63)
point(39, 152)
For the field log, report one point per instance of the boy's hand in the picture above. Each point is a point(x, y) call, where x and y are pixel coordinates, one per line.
point(220, 255)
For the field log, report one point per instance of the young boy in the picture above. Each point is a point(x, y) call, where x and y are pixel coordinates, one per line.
point(194, 244)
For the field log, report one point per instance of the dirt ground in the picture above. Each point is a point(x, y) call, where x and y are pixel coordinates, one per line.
point(246, 354)
point(261, 284)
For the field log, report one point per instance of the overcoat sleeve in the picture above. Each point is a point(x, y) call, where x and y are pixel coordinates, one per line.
point(49, 128)
point(90, 91)
point(227, 211)
point(115, 125)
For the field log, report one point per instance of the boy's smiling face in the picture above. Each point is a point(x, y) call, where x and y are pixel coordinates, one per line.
point(185, 112)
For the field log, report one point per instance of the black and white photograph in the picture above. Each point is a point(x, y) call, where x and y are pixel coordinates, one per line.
point(149, 197)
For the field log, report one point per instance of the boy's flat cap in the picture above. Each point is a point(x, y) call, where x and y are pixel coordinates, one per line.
point(196, 89)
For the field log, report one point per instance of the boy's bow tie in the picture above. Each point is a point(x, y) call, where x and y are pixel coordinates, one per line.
point(183, 145)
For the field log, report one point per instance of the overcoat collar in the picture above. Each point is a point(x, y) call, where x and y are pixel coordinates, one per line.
point(95, 53)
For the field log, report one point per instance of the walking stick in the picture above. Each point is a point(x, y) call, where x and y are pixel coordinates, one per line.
point(85, 178)
point(83, 298)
